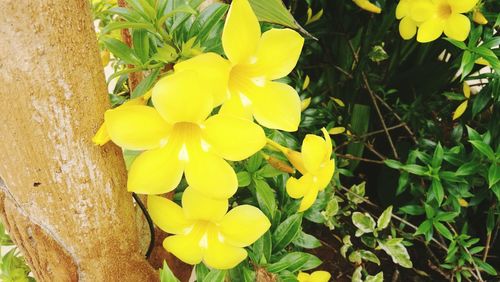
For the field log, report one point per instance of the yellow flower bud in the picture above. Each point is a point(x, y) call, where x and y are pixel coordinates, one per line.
point(305, 103)
point(479, 18)
point(279, 165)
point(102, 136)
point(463, 203)
point(368, 6)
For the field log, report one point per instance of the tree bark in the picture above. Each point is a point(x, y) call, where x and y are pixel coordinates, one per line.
point(64, 201)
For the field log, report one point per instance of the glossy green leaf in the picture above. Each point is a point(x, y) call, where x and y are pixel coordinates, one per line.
point(286, 232)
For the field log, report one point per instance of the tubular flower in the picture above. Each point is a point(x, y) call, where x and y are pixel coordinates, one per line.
point(205, 231)
point(177, 137)
point(368, 6)
point(479, 18)
point(255, 60)
point(316, 167)
point(316, 276)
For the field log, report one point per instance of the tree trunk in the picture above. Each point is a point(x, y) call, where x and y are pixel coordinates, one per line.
point(64, 201)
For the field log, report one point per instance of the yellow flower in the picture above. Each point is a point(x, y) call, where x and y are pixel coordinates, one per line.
point(204, 231)
point(102, 137)
point(178, 138)
point(442, 16)
point(479, 18)
point(463, 106)
point(316, 276)
point(316, 167)
point(255, 60)
point(368, 6)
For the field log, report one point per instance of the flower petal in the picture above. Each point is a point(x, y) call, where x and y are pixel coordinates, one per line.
point(181, 97)
point(324, 175)
point(211, 175)
point(303, 277)
point(272, 62)
point(320, 276)
point(243, 225)
point(328, 144)
point(276, 106)
point(235, 107)
point(187, 248)
point(167, 215)
point(407, 28)
point(241, 32)
point(155, 172)
point(220, 255)
point(314, 152)
point(200, 207)
point(430, 30)
point(136, 127)
point(234, 138)
point(297, 188)
point(308, 199)
point(213, 71)
point(402, 9)
point(422, 11)
point(462, 6)
point(457, 27)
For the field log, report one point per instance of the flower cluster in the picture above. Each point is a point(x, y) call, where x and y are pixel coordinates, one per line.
point(430, 18)
point(202, 116)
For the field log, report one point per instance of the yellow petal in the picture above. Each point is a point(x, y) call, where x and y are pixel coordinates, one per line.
point(314, 152)
point(460, 110)
point(136, 127)
point(276, 106)
point(233, 138)
point(320, 276)
point(308, 199)
point(402, 9)
point(367, 6)
point(296, 160)
point(430, 30)
point(187, 248)
point(200, 207)
point(482, 61)
point(272, 62)
point(324, 175)
point(213, 71)
point(303, 277)
point(479, 18)
point(407, 28)
point(462, 6)
point(297, 188)
point(466, 89)
point(241, 32)
point(235, 107)
point(101, 137)
point(328, 144)
point(155, 172)
point(421, 11)
point(336, 130)
point(307, 80)
point(181, 97)
point(243, 225)
point(221, 255)
point(457, 27)
point(211, 175)
point(167, 215)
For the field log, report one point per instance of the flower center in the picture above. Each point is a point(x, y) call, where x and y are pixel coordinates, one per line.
point(444, 11)
point(186, 137)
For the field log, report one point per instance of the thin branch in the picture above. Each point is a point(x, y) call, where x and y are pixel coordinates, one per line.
point(351, 157)
point(398, 117)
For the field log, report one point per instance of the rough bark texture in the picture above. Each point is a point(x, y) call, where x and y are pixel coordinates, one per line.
point(64, 201)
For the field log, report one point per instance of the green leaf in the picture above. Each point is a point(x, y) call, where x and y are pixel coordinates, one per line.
point(484, 148)
point(437, 158)
point(120, 50)
point(485, 266)
point(493, 174)
point(356, 275)
point(268, 171)
point(379, 277)
point(125, 25)
point(253, 163)
point(263, 246)
point(397, 251)
point(412, 210)
point(294, 262)
point(437, 191)
point(424, 227)
point(360, 118)
point(415, 169)
point(166, 54)
point(393, 164)
point(201, 271)
point(146, 84)
point(207, 21)
point(129, 157)
point(166, 274)
point(457, 43)
point(140, 39)
point(443, 230)
point(369, 256)
point(215, 275)
point(364, 222)
point(128, 14)
point(286, 232)
point(244, 178)
point(384, 219)
point(265, 198)
point(445, 216)
point(469, 168)
point(306, 241)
